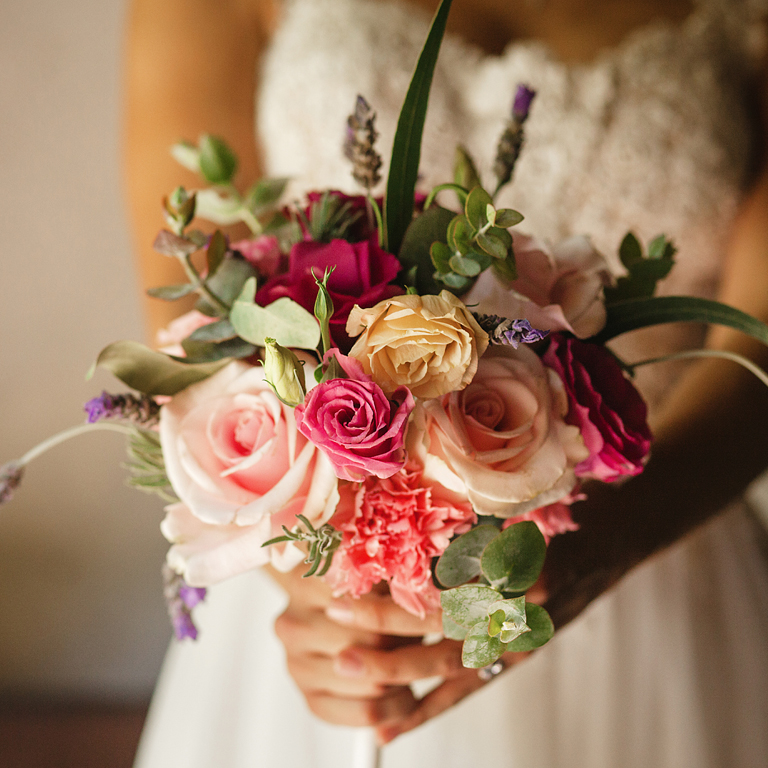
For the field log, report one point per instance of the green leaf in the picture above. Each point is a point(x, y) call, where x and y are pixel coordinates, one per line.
point(460, 562)
point(513, 561)
point(469, 604)
point(264, 194)
point(426, 229)
point(209, 352)
point(464, 265)
point(464, 171)
point(441, 256)
point(152, 372)
point(170, 244)
point(541, 627)
point(506, 269)
point(507, 619)
point(480, 649)
point(187, 155)
point(217, 161)
point(452, 630)
point(457, 283)
point(630, 250)
point(230, 278)
point(459, 234)
point(492, 244)
point(283, 320)
point(221, 330)
point(217, 249)
point(507, 217)
point(477, 206)
point(632, 314)
point(171, 292)
point(406, 149)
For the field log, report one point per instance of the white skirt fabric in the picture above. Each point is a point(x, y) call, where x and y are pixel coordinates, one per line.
point(669, 670)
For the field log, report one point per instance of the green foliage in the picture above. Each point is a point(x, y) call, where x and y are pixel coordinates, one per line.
point(220, 330)
point(329, 218)
point(323, 542)
point(414, 254)
point(632, 314)
point(643, 271)
point(264, 195)
point(214, 255)
point(513, 560)
point(324, 309)
point(210, 351)
point(146, 464)
point(541, 630)
point(150, 372)
point(218, 162)
point(227, 284)
point(464, 171)
point(460, 563)
point(171, 292)
point(283, 320)
point(406, 149)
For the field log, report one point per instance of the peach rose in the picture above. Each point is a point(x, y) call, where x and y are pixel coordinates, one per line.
point(504, 437)
point(430, 344)
point(557, 289)
point(241, 468)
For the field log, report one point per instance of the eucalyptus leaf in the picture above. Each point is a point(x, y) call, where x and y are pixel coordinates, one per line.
point(264, 194)
point(464, 171)
point(406, 148)
point(492, 244)
point(541, 626)
point(469, 604)
point(219, 208)
point(283, 320)
point(170, 244)
point(218, 162)
point(507, 620)
point(209, 352)
point(632, 314)
point(186, 155)
point(513, 561)
point(507, 217)
point(460, 562)
point(217, 249)
point(459, 234)
point(464, 265)
point(457, 283)
point(441, 256)
point(426, 229)
point(452, 630)
point(230, 278)
point(630, 250)
point(221, 330)
point(480, 649)
point(476, 207)
point(151, 372)
point(171, 292)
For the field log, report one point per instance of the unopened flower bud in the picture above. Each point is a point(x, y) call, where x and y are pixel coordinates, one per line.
point(179, 209)
point(284, 372)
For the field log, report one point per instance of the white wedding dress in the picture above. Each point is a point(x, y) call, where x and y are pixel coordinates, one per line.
point(670, 669)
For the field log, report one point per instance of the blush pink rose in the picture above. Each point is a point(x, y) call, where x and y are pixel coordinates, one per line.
point(359, 428)
point(261, 252)
point(605, 406)
point(169, 339)
point(392, 529)
point(361, 276)
point(504, 436)
point(551, 520)
point(557, 289)
point(241, 468)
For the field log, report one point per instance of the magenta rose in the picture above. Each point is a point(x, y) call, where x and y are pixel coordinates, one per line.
point(355, 424)
point(605, 406)
point(392, 529)
point(361, 276)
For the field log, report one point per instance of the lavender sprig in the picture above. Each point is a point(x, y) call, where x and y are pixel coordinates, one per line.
point(511, 141)
point(127, 407)
point(180, 599)
point(10, 478)
point(359, 145)
point(503, 331)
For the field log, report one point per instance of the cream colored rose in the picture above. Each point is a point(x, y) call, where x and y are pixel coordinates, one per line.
point(430, 344)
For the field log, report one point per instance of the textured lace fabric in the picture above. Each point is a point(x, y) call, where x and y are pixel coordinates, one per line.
point(653, 136)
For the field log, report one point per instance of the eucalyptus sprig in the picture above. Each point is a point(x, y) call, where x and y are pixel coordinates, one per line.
point(322, 541)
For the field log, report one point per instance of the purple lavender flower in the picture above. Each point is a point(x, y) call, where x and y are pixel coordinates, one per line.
point(522, 103)
point(180, 599)
point(140, 410)
point(509, 332)
point(10, 477)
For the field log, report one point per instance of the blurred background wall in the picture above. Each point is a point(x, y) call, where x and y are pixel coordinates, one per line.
point(81, 609)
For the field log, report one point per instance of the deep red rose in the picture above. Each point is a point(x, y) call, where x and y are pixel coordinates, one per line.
point(604, 405)
point(361, 276)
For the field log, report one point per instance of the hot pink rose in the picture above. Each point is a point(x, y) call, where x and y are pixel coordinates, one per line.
point(392, 530)
point(361, 276)
point(353, 422)
point(605, 406)
point(557, 289)
point(262, 252)
point(241, 468)
point(504, 436)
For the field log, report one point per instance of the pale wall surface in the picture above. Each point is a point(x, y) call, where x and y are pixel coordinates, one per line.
point(81, 610)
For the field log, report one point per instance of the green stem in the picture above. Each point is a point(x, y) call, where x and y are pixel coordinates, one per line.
point(457, 188)
point(62, 437)
point(200, 285)
point(692, 353)
point(373, 209)
point(251, 221)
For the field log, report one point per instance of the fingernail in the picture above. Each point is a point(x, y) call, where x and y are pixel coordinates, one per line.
point(340, 613)
point(349, 665)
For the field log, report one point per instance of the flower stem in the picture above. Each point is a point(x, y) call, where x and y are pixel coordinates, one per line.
point(200, 285)
point(691, 353)
point(62, 437)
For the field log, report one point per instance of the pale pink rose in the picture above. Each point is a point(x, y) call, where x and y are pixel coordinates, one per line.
point(551, 520)
point(236, 460)
point(392, 529)
point(504, 436)
point(169, 339)
point(262, 252)
point(557, 289)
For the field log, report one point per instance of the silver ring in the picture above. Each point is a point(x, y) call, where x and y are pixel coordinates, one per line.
point(491, 671)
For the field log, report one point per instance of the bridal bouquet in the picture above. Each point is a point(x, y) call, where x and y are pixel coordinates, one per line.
point(386, 389)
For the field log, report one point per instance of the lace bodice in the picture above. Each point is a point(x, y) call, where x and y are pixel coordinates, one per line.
point(653, 136)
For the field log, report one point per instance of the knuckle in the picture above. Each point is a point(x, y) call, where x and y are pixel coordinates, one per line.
point(285, 625)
